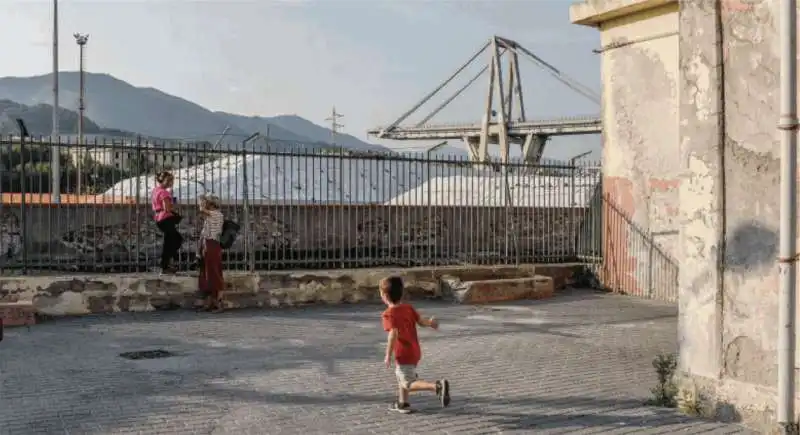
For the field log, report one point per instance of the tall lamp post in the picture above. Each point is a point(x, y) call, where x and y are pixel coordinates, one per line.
point(81, 40)
point(55, 153)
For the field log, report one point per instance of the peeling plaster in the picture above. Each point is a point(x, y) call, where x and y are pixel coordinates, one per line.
point(697, 76)
point(727, 332)
point(641, 155)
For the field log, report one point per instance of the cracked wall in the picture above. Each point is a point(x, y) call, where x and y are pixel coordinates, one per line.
point(721, 153)
point(728, 322)
point(640, 151)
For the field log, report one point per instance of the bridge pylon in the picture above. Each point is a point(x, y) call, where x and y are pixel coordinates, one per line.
point(504, 122)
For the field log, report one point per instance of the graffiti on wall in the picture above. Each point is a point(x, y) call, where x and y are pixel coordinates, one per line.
point(93, 235)
point(10, 235)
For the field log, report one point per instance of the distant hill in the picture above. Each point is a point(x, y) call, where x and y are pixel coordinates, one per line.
point(309, 130)
point(115, 104)
point(39, 120)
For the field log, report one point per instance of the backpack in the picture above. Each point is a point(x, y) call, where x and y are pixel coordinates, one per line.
point(230, 230)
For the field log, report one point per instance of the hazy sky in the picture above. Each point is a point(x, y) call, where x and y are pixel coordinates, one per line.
point(373, 59)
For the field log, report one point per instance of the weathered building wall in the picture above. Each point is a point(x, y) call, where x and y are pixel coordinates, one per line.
point(641, 163)
point(728, 326)
point(727, 164)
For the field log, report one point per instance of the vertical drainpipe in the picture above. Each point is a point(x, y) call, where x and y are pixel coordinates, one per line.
point(719, 297)
point(787, 261)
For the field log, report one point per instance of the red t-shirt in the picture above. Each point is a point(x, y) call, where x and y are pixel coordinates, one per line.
point(404, 318)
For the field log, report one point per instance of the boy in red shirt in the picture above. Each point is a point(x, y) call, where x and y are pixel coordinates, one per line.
point(400, 320)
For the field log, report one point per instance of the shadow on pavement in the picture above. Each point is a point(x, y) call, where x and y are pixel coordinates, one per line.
point(574, 411)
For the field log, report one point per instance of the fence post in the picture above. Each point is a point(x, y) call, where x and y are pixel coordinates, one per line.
point(572, 185)
point(432, 240)
point(248, 255)
point(139, 177)
point(574, 211)
point(510, 225)
point(341, 226)
point(506, 194)
point(534, 212)
point(23, 209)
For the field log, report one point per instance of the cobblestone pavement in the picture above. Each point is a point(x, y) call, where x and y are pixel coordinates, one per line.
point(578, 363)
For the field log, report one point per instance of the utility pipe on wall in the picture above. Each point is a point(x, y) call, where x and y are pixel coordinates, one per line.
point(787, 261)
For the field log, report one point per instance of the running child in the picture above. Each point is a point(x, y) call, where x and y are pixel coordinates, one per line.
point(400, 320)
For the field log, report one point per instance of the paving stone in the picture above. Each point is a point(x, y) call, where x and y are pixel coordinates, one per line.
point(576, 363)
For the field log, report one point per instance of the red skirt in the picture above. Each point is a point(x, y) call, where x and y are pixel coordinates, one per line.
point(210, 277)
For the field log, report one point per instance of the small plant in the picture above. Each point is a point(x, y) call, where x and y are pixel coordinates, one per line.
point(690, 401)
point(664, 394)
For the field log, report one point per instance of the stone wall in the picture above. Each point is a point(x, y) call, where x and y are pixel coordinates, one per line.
point(124, 237)
point(111, 293)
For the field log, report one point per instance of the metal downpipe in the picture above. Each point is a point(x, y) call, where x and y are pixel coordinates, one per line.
point(787, 262)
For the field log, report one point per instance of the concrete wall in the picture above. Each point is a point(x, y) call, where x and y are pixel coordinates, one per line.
point(729, 326)
point(727, 161)
point(641, 162)
point(124, 237)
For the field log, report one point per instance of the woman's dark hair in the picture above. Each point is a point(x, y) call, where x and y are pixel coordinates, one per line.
point(393, 288)
point(163, 176)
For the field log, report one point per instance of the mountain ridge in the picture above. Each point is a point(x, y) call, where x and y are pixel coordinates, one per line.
point(151, 112)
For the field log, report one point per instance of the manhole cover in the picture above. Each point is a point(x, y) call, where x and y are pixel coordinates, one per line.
point(147, 354)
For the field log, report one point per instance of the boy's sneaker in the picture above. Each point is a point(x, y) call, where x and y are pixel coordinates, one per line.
point(443, 392)
point(403, 408)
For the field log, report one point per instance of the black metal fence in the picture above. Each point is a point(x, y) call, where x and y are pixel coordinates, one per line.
point(311, 209)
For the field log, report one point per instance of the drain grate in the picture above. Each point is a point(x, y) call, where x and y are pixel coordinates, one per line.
point(147, 354)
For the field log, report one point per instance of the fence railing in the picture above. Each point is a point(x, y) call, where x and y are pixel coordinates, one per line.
point(633, 261)
point(326, 208)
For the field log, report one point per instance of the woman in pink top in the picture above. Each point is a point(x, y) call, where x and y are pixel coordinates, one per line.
point(167, 220)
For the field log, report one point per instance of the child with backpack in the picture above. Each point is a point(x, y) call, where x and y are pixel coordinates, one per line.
point(210, 279)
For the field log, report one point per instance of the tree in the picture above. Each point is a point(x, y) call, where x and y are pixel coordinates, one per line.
point(139, 164)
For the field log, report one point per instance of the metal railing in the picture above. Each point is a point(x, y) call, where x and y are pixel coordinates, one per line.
point(630, 260)
point(303, 210)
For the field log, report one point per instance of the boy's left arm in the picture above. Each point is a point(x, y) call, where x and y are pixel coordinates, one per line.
point(429, 322)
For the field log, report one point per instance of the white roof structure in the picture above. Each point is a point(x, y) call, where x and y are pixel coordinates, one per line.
point(492, 190)
point(296, 179)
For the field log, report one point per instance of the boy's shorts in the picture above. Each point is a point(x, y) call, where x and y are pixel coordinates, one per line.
point(406, 374)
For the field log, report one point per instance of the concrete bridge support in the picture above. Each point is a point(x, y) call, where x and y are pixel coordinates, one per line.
point(532, 146)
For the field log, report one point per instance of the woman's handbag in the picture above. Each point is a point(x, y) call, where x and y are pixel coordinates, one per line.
point(230, 230)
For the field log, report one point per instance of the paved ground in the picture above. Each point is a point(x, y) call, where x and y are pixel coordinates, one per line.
point(573, 364)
